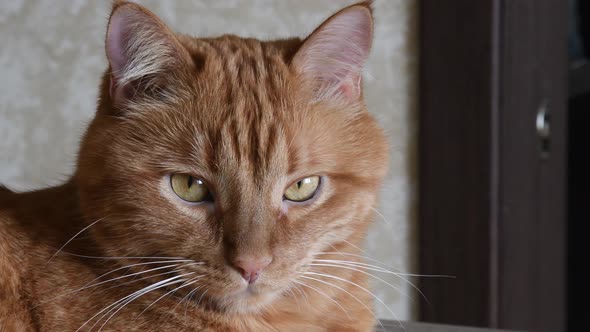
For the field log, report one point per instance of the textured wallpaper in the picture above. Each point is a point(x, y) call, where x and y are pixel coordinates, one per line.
point(52, 57)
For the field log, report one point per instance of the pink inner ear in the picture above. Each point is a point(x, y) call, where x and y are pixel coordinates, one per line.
point(140, 49)
point(116, 45)
point(350, 87)
point(116, 38)
point(335, 53)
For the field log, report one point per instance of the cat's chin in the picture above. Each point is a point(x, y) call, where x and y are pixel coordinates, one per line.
point(247, 300)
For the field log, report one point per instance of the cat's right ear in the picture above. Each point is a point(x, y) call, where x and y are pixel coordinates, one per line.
point(332, 57)
point(140, 49)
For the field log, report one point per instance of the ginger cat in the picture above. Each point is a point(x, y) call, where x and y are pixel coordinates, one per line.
point(224, 184)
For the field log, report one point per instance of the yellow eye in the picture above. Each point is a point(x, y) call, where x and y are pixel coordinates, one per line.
point(303, 189)
point(189, 188)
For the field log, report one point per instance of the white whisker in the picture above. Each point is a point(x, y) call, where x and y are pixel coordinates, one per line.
point(201, 297)
point(72, 238)
point(377, 261)
point(347, 292)
point(90, 285)
point(133, 299)
point(381, 269)
point(150, 287)
point(292, 293)
point(387, 222)
point(188, 283)
point(324, 294)
point(144, 278)
point(398, 274)
point(366, 273)
point(302, 293)
point(188, 298)
point(152, 276)
point(341, 238)
point(360, 287)
point(124, 257)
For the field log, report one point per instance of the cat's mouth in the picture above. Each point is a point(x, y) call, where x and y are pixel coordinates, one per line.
point(250, 291)
point(247, 299)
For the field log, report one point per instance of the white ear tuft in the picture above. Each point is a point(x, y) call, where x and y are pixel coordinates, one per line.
point(139, 47)
point(334, 54)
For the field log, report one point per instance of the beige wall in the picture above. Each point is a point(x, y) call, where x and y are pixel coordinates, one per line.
point(52, 55)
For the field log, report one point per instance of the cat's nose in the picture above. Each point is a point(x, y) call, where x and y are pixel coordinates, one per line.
point(251, 267)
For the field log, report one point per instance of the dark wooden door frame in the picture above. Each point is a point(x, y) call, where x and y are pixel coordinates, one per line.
point(492, 209)
point(456, 93)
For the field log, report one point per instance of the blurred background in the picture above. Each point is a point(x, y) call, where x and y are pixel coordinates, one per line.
point(52, 60)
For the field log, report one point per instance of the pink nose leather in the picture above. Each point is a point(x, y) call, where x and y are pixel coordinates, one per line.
point(251, 267)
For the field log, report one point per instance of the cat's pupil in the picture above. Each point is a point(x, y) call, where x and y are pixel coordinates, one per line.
point(299, 184)
point(190, 182)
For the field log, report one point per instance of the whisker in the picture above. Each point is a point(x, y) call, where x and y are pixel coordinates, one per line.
point(140, 294)
point(90, 285)
point(322, 293)
point(131, 275)
point(153, 286)
point(357, 264)
point(140, 264)
point(355, 255)
point(124, 257)
point(387, 222)
point(133, 299)
point(155, 275)
point(144, 278)
point(188, 283)
point(188, 298)
point(292, 293)
point(360, 287)
point(381, 269)
point(398, 274)
point(347, 292)
point(343, 239)
point(368, 274)
point(201, 297)
point(72, 238)
point(301, 292)
point(376, 266)
point(194, 263)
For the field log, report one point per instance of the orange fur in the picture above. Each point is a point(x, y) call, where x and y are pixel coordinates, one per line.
point(243, 115)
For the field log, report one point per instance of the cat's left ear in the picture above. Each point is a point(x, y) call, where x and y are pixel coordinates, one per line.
point(141, 51)
point(332, 57)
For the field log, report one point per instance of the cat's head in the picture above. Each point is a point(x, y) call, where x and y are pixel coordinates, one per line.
point(248, 156)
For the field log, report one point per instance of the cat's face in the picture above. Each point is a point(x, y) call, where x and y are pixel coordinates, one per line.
point(229, 155)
